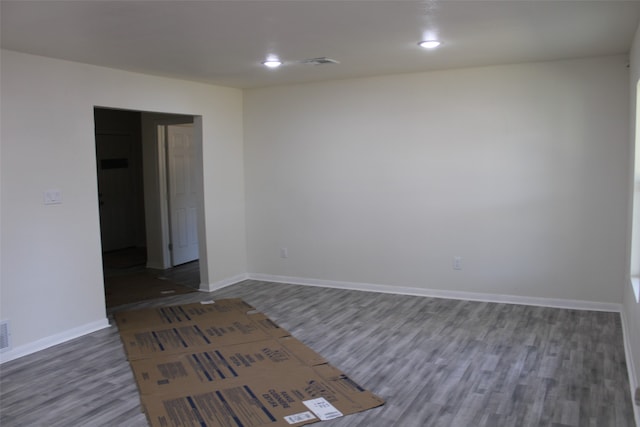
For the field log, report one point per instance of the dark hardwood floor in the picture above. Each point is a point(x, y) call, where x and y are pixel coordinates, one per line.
point(436, 362)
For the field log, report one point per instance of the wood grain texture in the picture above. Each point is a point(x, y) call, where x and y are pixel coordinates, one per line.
point(436, 362)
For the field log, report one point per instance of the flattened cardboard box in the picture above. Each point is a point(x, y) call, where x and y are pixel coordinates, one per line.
point(208, 332)
point(183, 314)
point(206, 368)
point(305, 395)
point(167, 348)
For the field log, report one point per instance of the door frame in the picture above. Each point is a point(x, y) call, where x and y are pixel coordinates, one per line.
point(153, 166)
point(163, 189)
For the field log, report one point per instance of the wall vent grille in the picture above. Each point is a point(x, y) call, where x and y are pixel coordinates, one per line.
point(5, 336)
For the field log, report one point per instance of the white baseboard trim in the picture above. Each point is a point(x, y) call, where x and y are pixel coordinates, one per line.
point(210, 287)
point(438, 293)
point(52, 340)
point(631, 369)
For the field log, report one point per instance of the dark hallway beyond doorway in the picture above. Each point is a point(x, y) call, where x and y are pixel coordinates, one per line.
point(127, 280)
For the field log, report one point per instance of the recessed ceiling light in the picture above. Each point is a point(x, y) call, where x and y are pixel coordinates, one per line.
point(429, 44)
point(272, 63)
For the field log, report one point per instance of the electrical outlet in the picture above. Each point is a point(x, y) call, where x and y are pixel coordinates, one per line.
point(284, 253)
point(457, 263)
point(52, 197)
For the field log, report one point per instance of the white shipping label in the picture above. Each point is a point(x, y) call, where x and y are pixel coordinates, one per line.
point(298, 418)
point(322, 408)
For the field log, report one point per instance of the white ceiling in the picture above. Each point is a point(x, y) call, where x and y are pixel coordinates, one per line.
point(224, 42)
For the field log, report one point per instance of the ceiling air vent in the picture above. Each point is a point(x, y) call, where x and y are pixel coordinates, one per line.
point(320, 61)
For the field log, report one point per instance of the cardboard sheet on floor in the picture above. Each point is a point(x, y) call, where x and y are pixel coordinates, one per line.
point(196, 370)
point(224, 364)
point(226, 329)
point(305, 395)
point(183, 314)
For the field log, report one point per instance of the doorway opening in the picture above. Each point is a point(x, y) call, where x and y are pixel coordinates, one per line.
point(147, 191)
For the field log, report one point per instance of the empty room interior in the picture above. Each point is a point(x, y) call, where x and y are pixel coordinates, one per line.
point(454, 224)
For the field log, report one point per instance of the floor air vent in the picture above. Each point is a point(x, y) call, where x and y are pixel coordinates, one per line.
point(5, 342)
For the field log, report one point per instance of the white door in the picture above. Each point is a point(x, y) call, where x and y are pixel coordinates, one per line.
point(182, 194)
point(115, 191)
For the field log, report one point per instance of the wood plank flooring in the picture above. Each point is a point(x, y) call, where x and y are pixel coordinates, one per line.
point(436, 362)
